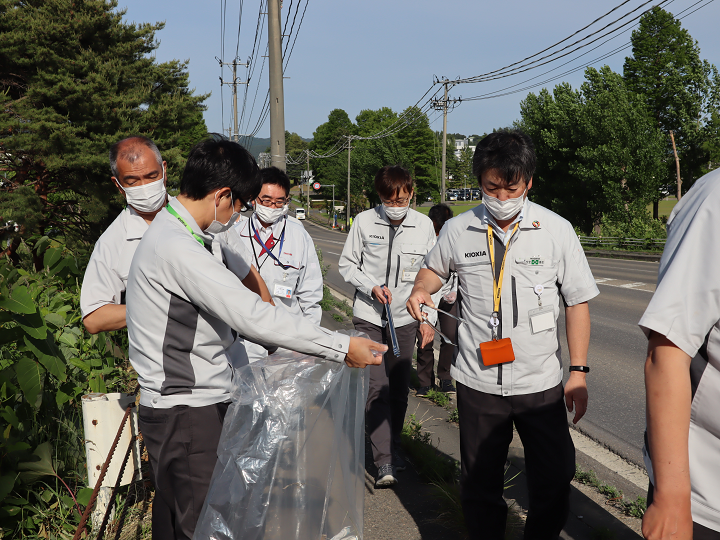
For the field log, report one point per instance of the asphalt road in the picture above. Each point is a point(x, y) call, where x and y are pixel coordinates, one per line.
point(616, 411)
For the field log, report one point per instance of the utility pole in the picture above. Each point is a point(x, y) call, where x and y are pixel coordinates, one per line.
point(347, 208)
point(277, 103)
point(307, 179)
point(234, 137)
point(443, 106)
point(677, 167)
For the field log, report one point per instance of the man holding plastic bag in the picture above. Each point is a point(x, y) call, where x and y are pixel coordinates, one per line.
point(184, 306)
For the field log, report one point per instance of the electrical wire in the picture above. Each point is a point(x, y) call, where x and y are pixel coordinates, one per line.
point(503, 72)
point(508, 90)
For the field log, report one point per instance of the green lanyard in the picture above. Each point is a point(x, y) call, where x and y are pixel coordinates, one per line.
point(195, 236)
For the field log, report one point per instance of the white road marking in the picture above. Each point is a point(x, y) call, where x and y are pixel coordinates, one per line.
point(332, 253)
point(623, 284)
point(632, 285)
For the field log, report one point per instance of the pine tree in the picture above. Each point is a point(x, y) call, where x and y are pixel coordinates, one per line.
point(75, 78)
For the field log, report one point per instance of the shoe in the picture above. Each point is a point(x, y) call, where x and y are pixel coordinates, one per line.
point(423, 391)
point(386, 476)
point(446, 386)
point(398, 461)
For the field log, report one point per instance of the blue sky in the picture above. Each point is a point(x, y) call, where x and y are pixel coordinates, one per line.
point(377, 53)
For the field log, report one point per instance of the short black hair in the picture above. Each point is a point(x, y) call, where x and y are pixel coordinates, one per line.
point(215, 164)
point(275, 177)
point(391, 180)
point(510, 152)
point(439, 214)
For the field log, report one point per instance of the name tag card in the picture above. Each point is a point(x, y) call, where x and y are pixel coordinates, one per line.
point(282, 291)
point(541, 319)
point(409, 274)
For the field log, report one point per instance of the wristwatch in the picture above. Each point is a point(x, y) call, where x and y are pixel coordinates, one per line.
point(584, 369)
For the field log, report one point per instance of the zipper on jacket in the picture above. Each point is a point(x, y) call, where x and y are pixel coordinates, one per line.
point(397, 272)
point(514, 303)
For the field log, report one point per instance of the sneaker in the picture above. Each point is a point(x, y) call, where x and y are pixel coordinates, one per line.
point(446, 386)
point(386, 476)
point(423, 391)
point(398, 461)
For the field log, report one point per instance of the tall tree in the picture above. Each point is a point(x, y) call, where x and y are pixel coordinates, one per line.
point(371, 155)
point(74, 78)
point(417, 141)
point(327, 139)
point(295, 148)
point(600, 156)
point(666, 69)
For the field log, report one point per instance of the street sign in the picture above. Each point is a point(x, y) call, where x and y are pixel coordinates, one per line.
point(316, 185)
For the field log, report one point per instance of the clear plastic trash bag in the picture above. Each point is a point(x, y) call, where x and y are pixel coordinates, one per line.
point(291, 454)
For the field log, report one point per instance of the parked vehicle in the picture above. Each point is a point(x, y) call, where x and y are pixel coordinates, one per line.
point(300, 213)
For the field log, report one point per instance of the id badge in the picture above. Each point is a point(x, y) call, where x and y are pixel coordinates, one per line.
point(497, 352)
point(282, 291)
point(409, 274)
point(541, 319)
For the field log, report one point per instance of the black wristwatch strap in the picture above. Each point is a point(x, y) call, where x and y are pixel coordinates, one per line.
point(584, 369)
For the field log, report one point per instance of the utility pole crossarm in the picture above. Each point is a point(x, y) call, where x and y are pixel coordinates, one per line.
point(443, 106)
point(234, 85)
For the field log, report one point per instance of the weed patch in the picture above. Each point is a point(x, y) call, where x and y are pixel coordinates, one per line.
point(454, 416)
point(614, 496)
point(439, 398)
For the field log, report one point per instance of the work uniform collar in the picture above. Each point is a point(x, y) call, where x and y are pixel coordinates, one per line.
point(276, 227)
point(382, 219)
point(182, 211)
point(135, 226)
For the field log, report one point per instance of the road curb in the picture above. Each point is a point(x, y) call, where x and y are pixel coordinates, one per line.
point(629, 256)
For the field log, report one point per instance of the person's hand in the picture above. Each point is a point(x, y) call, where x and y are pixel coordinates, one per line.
point(576, 394)
point(418, 296)
point(668, 519)
point(428, 334)
point(360, 353)
point(383, 294)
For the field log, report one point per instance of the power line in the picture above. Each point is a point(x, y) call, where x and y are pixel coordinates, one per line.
point(508, 90)
point(503, 72)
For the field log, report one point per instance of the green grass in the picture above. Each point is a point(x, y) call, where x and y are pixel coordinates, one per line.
point(615, 497)
point(454, 416)
point(456, 208)
point(665, 207)
point(439, 398)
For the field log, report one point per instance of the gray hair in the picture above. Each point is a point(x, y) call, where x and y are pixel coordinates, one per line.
point(130, 149)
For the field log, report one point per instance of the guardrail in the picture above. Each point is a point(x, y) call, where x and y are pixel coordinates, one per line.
point(608, 242)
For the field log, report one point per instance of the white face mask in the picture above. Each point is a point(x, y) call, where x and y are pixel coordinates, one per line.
point(267, 214)
point(395, 212)
point(148, 197)
point(503, 210)
point(216, 227)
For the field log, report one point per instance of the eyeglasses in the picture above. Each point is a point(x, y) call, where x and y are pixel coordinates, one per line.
point(396, 202)
point(277, 203)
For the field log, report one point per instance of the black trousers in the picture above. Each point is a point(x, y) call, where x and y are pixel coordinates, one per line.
point(700, 532)
point(388, 389)
point(182, 444)
point(426, 356)
point(486, 430)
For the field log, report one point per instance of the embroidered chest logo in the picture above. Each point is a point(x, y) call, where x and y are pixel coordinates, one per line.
point(377, 236)
point(472, 254)
point(536, 261)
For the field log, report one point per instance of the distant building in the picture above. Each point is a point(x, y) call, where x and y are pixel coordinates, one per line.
point(460, 145)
